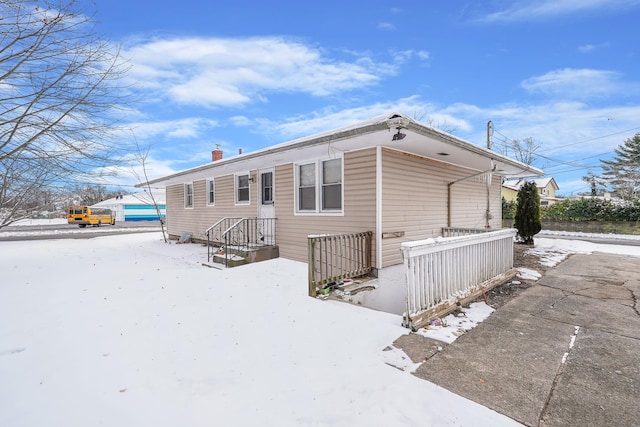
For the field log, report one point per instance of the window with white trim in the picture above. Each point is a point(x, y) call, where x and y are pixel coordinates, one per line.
point(188, 195)
point(319, 186)
point(332, 185)
point(211, 192)
point(242, 189)
point(307, 187)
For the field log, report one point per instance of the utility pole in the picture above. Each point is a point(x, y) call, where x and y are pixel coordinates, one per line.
point(488, 215)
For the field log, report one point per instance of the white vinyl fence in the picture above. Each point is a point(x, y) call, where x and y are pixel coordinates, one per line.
point(441, 272)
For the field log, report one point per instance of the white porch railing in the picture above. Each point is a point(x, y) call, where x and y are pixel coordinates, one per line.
point(445, 271)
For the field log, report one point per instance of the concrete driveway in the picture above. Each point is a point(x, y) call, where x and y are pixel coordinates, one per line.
point(565, 352)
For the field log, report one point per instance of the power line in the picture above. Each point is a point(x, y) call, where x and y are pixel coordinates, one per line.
point(504, 143)
point(595, 139)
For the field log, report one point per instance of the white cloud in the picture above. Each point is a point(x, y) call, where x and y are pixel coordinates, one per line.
point(527, 10)
point(327, 119)
point(573, 136)
point(386, 26)
point(576, 83)
point(403, 56)
point(558, 126)
point(214, 72)
point(131, 171)
point(423, 54)
point(240, 121)
point(181, 128)
point(587, 48)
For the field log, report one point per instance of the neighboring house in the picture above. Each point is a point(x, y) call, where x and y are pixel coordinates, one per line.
point(136, 207)
point(547, 188)
point(391, 175)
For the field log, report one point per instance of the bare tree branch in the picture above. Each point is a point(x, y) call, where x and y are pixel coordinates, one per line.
point(59, 89)
point(141, 157)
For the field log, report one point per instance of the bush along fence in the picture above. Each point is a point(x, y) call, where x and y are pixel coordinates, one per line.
point(601, 227)
point(585, 215)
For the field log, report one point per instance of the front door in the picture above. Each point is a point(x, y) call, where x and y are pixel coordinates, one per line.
point(266, 205)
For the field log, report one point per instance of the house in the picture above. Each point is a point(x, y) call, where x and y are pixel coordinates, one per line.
point(137, 206)
point(547, 188)
point(391, 175)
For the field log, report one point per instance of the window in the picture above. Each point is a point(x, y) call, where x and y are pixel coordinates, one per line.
point(242, 189)
point(266, 180)
point(307, 187)
point(211, 193)
point(326, 197)
point(188, 195)
point(332, 184)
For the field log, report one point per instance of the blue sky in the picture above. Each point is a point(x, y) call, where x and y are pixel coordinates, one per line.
point(249, 74)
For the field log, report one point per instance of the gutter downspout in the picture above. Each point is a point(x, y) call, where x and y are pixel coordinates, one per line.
point(493, 168)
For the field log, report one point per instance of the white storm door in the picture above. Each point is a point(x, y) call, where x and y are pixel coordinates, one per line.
point(266, 204)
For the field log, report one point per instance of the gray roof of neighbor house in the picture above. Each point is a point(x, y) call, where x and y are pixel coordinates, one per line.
point(418, 139)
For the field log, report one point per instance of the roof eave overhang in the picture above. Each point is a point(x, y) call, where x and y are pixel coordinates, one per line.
point(420, 139)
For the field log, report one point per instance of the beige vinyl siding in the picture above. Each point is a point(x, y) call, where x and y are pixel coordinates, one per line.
point(359, 209)
point(414, 200)
point(469, 204)
point(174, 208)
point(197, 219)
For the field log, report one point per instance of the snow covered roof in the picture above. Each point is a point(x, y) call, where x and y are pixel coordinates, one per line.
point(417, 138)
point(516, 184)
point(142, 198)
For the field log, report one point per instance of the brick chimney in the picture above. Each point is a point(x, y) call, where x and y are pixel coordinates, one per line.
point(216, 154)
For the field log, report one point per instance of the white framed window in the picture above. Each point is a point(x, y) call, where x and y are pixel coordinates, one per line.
point(188, 195)
point(331, 190)
point(243, 195)
point(306, 175)
point(319, 186)
point(211, 192)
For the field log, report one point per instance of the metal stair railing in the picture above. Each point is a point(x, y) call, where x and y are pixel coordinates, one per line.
point(215, 235)
point(240, 234)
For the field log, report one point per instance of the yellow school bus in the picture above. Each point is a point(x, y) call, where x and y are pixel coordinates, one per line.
point(85, 215)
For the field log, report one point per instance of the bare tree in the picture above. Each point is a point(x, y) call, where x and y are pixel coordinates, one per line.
point(20, 186)
point(523, 150)
point(59, 89)
point(141, 157)
point(89, 194)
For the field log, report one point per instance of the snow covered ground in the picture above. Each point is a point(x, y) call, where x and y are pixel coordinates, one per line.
point(127, 330)
point(51, 221)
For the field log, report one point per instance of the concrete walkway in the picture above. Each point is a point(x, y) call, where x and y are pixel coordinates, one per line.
point(565, 352)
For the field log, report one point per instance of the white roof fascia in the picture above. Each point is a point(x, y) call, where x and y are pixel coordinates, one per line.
point(378, 132)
